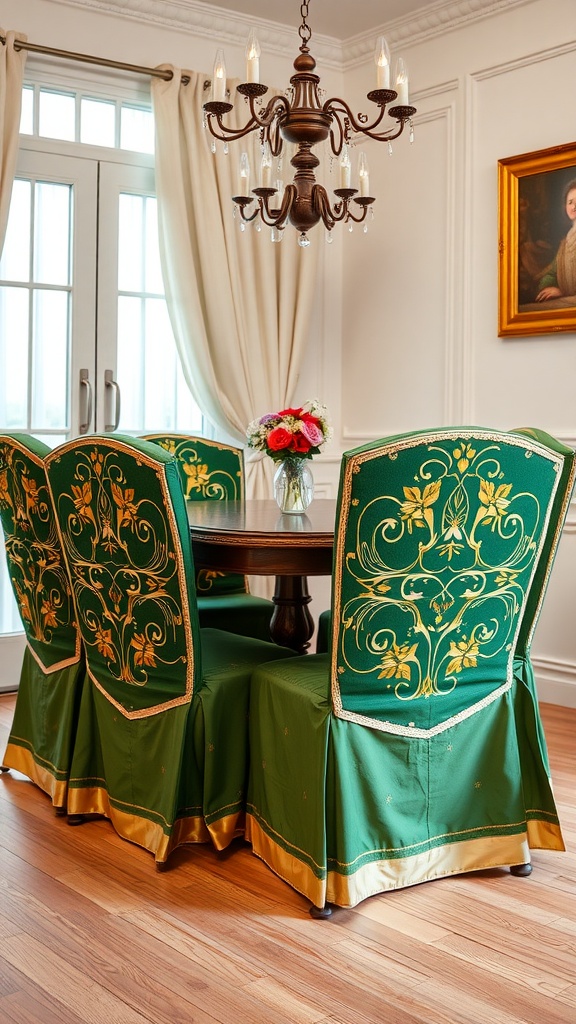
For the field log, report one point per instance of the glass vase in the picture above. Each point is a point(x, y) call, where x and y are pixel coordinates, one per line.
point(293, 485)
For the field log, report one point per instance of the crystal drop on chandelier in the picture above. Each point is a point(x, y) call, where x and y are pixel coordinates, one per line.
point(303, 240)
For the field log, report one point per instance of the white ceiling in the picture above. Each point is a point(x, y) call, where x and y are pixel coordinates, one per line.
point(340, 19)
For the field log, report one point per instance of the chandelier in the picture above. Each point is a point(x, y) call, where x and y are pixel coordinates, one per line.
point(301, 116)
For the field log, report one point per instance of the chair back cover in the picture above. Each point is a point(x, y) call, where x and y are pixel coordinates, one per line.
point(42, 735)
point(209, 471)
point(442, 554)
point(121, 514)
point(34, 555)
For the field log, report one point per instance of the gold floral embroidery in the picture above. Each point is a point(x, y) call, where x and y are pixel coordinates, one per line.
point(197, 475)
point(464, 655)
point(495, 499)
point(415, 510)
point(395, 662)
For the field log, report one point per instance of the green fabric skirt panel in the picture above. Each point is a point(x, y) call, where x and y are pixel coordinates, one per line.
point(222, 719)
point(44, 726)
point(342, 812)
point(290, 716)
point(539, 801)
point(244, 614)
point(130, 771)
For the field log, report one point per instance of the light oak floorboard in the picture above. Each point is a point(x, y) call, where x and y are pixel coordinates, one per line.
point(91, 933)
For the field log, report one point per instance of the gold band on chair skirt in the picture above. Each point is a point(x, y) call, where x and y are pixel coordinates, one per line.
point(21, 760)
point(347, 889)
point(137, 828)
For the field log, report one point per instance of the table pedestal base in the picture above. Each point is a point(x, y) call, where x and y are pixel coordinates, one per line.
point(292, 624)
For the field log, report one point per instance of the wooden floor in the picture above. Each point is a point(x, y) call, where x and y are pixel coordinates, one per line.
point(90, 932)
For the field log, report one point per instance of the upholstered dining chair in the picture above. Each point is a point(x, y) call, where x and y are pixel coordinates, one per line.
point(211, 471)
point(42, 734)
point(161, 746)
point(414, 748)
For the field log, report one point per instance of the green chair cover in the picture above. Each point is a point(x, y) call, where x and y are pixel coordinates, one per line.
point(161, 746)
point(42, 734)
point(211, 471)
point(414, 749)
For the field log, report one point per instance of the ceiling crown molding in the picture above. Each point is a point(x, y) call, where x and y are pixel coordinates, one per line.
point(437, 19)
point(213, 23)
point(218, 25)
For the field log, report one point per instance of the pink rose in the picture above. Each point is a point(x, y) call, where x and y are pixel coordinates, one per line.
point(312, 431)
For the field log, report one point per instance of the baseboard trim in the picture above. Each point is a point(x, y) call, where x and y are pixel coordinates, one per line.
point(555, 681)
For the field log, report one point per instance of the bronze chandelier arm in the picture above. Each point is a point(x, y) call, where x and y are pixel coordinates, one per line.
point(277, 218)
point(216, 110)
point(322, 206)
point(364, 208)
point(338, 108)
point(243, 206)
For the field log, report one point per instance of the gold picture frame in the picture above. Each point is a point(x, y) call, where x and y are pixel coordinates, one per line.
point(533, 221)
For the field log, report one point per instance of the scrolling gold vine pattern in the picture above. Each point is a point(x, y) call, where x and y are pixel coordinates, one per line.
point(33, 551)
point(124, 568)
point(443, 565)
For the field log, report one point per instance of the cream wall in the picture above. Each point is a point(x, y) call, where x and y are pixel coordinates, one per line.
point(404, 330)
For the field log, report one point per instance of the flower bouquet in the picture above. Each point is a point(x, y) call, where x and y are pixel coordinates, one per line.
point(290, 437)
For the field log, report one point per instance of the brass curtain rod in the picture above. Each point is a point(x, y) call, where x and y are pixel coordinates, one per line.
point(20, 44)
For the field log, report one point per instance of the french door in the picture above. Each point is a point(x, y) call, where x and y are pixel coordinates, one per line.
point(85, 339)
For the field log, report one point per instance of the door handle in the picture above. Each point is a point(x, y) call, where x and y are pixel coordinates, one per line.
point(85, 402)
point(112, 384)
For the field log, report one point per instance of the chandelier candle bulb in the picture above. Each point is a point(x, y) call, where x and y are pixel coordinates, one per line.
point(253, 58)
point(266, 167)
point(219, 78)
point(345, 168)
point(244, 176)
point(382, 61)
point(402, 82)
point(363, 175)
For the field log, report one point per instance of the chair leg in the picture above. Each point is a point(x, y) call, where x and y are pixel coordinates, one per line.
point(4, 768)
point(321, 912)
point(60, 812)
point(76, 819)
point(521, 870)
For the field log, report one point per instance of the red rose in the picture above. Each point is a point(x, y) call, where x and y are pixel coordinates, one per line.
point(291, 412)
point(279, 438)
point(300, 443)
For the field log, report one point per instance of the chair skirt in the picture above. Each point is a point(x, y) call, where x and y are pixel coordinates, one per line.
point(41, 739)
point(343, 812)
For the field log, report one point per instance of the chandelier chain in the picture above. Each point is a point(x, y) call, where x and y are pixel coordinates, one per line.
point(304, 31)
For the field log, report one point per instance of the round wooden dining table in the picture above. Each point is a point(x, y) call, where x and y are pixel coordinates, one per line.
point(255, 538)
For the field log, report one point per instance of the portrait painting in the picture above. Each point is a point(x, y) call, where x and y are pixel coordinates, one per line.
point(537, 242)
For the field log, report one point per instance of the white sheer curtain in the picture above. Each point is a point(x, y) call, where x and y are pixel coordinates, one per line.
point(11, 77)
point(239, 303)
